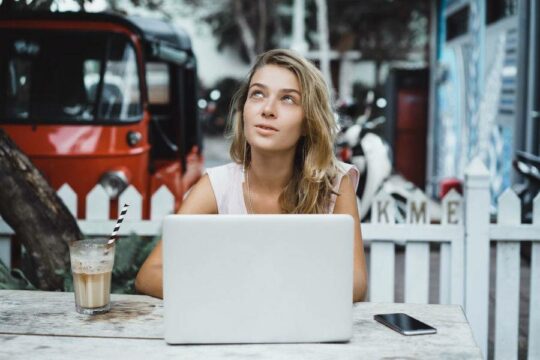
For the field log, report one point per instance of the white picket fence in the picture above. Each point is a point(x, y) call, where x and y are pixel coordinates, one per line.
point(464, 235)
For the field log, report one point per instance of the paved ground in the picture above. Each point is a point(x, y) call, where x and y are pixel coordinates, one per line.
point(216, 152)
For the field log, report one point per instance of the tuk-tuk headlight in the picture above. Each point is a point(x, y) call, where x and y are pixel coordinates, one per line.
point(133, 138)
point(114, 182)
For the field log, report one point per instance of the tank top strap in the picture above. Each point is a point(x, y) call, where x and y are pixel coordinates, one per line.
point(344, 169)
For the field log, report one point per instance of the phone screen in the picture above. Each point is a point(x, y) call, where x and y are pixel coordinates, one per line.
point(404, 324)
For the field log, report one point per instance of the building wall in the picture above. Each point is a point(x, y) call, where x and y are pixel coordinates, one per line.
point(476, 76)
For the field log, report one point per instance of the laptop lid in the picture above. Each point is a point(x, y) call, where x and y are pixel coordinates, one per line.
point(257, 278)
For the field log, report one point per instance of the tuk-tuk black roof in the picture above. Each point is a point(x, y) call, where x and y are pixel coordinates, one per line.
point(148, 29)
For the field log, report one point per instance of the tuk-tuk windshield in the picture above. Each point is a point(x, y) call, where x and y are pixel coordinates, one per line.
point(59, 77)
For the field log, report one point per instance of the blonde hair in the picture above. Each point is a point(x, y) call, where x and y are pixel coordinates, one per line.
point(310, 189)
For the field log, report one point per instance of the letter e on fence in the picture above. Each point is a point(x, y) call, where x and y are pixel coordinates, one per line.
point(452, 208)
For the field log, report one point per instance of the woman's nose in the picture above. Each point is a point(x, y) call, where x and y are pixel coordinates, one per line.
point(269, 109)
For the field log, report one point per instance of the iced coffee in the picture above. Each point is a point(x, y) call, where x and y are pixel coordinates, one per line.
point(91, 265)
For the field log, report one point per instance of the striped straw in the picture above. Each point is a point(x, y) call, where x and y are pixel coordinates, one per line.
point(114, 234)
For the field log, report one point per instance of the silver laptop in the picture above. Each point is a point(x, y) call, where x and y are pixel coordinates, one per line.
point(257, 278)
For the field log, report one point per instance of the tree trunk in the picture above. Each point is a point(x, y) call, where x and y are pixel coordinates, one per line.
point(299, 42)
point(377, 73)
point(38, 216)
point(246, 33)
point(324, 43)
point(261, 36)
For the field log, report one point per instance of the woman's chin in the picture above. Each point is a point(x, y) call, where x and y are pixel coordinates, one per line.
point(271, 148)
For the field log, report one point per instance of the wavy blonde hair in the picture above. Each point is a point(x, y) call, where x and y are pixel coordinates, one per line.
point(310, 189)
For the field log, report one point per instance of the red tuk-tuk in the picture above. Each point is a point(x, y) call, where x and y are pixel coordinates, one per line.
point(101, 98)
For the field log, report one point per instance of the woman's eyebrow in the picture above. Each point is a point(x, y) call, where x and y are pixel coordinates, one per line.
point(281, 90)
point(259, 85)
point(290, 91)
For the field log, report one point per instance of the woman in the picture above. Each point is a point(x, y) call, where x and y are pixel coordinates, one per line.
point(283, 132)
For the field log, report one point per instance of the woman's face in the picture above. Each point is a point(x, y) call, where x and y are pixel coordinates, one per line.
point(273, 112)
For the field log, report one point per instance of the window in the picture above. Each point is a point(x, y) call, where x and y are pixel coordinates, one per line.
point(121, 98)
point(18, 88)
point(457, 23)
point(499, 9)
point(164, 127)
point(157, 82)
point(56, 77)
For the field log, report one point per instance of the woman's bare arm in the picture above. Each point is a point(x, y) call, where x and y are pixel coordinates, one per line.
point(346, 204)
point(200, 200)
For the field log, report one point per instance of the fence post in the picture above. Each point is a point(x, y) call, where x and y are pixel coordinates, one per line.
point(477, 218)
point(97, 204)
point(507, 280)
point(69, 197)
point(417, 253)
point(132, 197)
point(162, 203)
point(534, 304)
point(5, 244)
point(451, 281)
point(382, 262)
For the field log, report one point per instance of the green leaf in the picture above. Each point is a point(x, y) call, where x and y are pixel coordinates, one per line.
point(13, 280)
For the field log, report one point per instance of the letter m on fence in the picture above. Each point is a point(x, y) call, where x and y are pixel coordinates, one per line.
point(417, 209)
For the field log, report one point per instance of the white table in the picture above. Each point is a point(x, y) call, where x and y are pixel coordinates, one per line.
point(44, 325)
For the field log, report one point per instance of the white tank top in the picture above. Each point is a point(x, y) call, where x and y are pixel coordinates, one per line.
point(227, 181)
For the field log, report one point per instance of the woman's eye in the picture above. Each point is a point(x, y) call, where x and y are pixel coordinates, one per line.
point(256, 94)
point(289, 99)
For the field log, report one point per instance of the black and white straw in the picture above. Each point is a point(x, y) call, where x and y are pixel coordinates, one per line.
point(114, 234)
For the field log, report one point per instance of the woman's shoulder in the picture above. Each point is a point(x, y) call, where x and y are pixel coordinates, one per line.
point(349, 170)
point(226, 181)
point(343, 169)
point(224, 170)
point(223, 176)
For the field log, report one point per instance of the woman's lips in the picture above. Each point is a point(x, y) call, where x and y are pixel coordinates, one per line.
point(266, 128)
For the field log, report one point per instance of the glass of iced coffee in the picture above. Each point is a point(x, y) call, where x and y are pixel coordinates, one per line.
point(91, 264)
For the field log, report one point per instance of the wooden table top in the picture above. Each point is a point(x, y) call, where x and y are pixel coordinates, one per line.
point(44, 325)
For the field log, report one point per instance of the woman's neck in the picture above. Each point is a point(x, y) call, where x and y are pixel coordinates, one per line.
point(271, 172)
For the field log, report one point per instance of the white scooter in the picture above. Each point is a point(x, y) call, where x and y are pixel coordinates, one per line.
point(359, 146)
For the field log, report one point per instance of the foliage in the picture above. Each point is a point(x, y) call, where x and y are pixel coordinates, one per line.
point(129, 255)
point(13, 280)
point(262, 20)
point(381, 30)
point(386, 30)
point(40, 5)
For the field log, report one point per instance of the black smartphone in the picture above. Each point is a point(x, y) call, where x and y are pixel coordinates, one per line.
point(405, 324)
